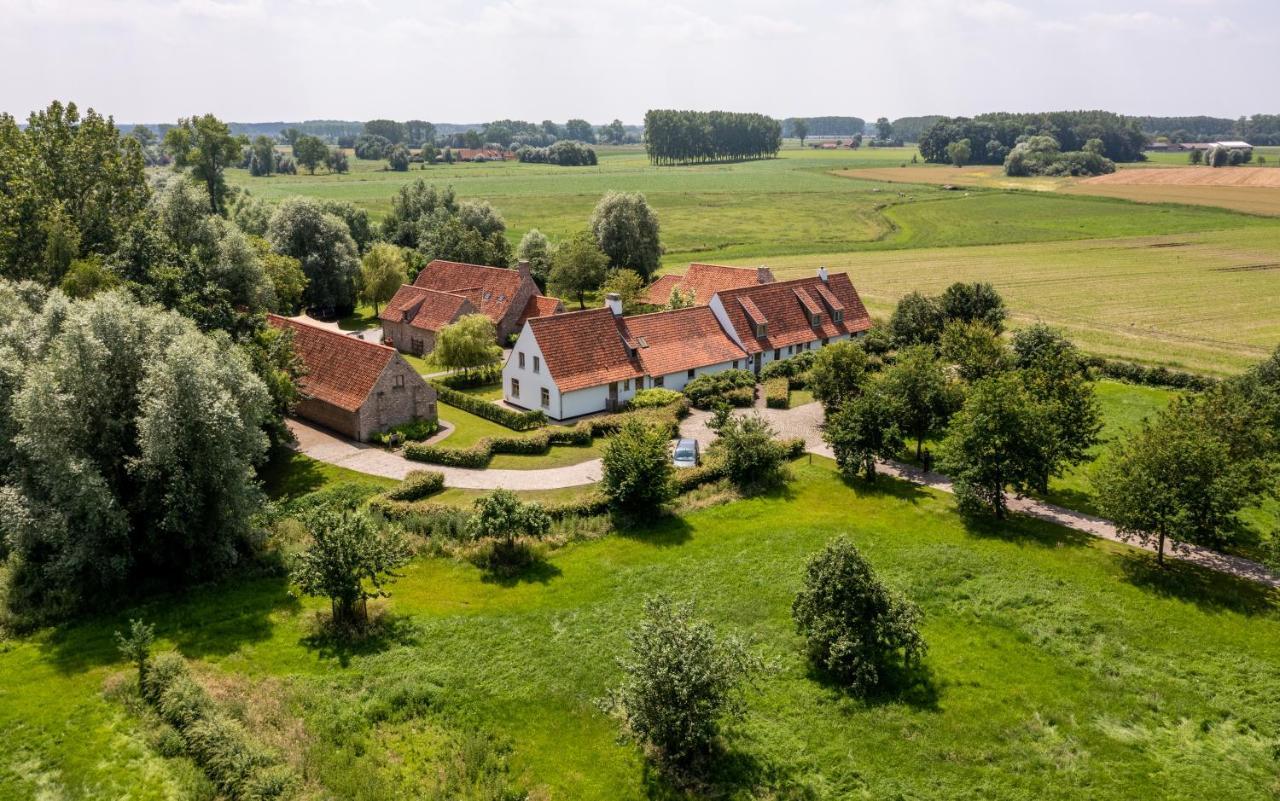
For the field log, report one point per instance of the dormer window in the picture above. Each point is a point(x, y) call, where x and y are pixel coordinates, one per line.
point(837, 316)
point(762, 330)
point(815, 319)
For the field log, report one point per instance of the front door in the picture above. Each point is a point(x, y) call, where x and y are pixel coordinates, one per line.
point(612, 403)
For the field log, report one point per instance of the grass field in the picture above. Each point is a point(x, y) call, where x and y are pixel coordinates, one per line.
point(1200, 301)
point(1060, 667)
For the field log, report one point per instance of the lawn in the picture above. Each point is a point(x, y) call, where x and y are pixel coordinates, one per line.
point(1060, 667)
point(469, 428)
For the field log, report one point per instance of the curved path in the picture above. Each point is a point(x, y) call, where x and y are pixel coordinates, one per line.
point(324, 446)
point(801, 421)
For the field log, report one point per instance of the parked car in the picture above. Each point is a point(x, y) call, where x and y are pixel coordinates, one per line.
point(686, 453)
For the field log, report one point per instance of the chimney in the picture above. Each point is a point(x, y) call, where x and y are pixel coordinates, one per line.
point(822, 274)
point(614, 301)
point(764, 275)
point(522, 267)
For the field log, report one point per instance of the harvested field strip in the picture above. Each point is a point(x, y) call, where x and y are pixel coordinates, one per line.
point(1182, 176)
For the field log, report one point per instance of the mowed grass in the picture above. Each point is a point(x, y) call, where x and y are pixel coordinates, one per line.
point(1199, 301)
point(794, 204)
point(468, 429)
point(1060, 666)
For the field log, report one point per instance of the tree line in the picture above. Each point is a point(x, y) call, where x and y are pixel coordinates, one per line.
point(822, 126)
point(993, 136)
point(1259, 129)
point(690, 137)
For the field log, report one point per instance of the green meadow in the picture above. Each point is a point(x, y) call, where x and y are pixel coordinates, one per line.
point(1060, 667)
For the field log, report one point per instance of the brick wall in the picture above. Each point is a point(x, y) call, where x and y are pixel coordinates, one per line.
point(402, 336)
point(393, 402)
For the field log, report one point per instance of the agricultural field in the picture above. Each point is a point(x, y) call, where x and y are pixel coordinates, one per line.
point(1058, 668)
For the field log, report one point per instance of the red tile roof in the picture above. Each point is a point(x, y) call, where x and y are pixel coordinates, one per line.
point(341, 370)
point(539, 306)
point(491, 289)
point(707, 279)
point(673, 341)
point(584, 349)
point(425, 308)
point(785, 307)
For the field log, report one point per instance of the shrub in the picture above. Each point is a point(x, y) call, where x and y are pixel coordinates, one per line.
point(637, 468)
point(705, 390)
point(136, 647)
point(654, 397)
point(680, 681)
point(516, 421)
point(777, 393)
point(507, 525)
point(1150, 376)
point(469, 379)
point(855, 629)
point(416, 486)
point(406, 432)
point(752, 458)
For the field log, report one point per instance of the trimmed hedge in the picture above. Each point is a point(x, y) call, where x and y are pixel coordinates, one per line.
point(406, 432)
point(516, 421)
point(479, 454)
point(1150, 376)
point(416, 486)
point(728, 386)
point(238, 768)
point(653, 397)
point(777, 393)
point(475, 378)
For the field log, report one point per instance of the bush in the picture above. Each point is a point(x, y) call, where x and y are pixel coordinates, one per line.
point(507, 525)
point(751, 457)
point(637, 468)
point(854, 628)
point(406, 432)
point(705, 390)
point(680, 681)
point(416, 486)
point(1149, 376)
point(777, 393)
point(516, 421)
point(655, 397)
point(478, 377)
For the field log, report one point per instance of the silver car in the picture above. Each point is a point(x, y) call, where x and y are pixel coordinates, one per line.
point(685, 453)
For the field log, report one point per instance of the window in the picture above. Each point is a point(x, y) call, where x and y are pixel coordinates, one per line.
point(761, 330)
point(837, 316)
point(777, 354)
point(521, 359)
point(397, 382)
point(690, 374)
point(814, 319)
point(735, 364)
point(626, 385)
point(657, 382)
point(546, 398)
point(537, 364)
point(825, 341)
point(515, 387)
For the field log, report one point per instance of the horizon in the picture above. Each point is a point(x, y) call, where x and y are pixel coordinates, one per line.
point(268, 60)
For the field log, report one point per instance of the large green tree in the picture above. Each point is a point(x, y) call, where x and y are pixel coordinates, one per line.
point(626, 230)
point(382, 271)
point(70, 186)
point(310, 152)
point(134, 439)
point(205, 145)
point(578, 267)
point(837, 374)
point(350, 560)
point(637, 471)
point(536, 249)
point(916, 384)
point(468, 344)
point(322, 243)
point(864, 429)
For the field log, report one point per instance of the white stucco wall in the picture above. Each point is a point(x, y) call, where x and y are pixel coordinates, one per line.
point(531, 383)
point(677, 380)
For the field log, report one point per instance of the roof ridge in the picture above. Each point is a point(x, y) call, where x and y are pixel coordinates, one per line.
point(315, 326)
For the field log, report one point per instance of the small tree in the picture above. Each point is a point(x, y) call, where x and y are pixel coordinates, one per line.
point(680, 683)
point(916, 385)
point(752, 456)
point(337, 161)
point(959, 152)
point(310, 152)
point(916, 320)
point(996, 441)
point(680, 299)
point(1177, 479)
point(135, 646)
point(800, 127)
point(629, 286)
point(578, 267)
point(1195, 157)
point(976, 302)
point(348, 555)
point(503, 520)
point(398, 158)
point(382, 272)
point(855, 629)
point(468, 344)
point(975, 349)
point(536, 249)
point(864, 429)
point(838, 373)
point(637, 468)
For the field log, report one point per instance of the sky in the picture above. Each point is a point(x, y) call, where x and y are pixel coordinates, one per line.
point(476, 60)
